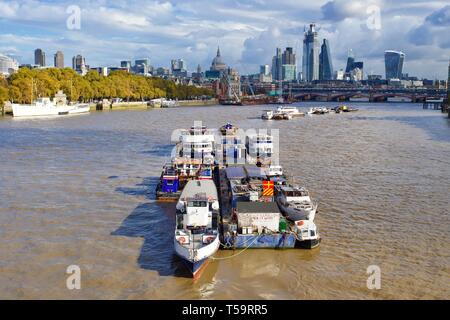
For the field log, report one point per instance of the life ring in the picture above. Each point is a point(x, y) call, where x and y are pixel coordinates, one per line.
point(182, 240)
point(300, 223)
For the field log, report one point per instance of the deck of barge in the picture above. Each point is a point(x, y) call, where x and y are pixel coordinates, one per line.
point(235, 240)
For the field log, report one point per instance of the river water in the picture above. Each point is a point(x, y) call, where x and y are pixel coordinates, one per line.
point(79, 191)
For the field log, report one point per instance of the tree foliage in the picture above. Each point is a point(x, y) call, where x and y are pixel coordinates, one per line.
point(28, 84)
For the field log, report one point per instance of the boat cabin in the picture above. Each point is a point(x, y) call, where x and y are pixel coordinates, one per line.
point(294, 194)
point(197, 208)
point(170, 180)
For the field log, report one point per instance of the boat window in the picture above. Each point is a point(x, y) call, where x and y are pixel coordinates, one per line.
point(313, 233)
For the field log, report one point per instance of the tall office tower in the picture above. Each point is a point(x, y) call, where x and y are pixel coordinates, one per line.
point(142, 66)
point(350, 61)
point(325, 64)
point(393, 61)
point(59, 60)
point(79, 64)
point(289, 65)
point(39, 57)
point(277, 62)
point(288, 56)
point(264, 69)
point(311, 54)
point(182, 64)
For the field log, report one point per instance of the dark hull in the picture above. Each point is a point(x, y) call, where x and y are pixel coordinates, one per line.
point(308, 244)
point(196, 268)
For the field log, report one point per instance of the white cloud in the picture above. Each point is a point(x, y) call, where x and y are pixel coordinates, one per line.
point(247, 31)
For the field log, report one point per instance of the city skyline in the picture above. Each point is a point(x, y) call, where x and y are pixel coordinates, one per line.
point(248, 35)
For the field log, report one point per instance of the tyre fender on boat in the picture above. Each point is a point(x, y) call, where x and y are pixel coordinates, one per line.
point(209, 239)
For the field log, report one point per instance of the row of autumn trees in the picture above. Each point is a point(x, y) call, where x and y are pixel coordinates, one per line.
point(93, 86)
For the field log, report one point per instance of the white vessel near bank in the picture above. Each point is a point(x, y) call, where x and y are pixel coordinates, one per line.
point(292, 111)
point(318, 110)
point(45, 107)
point(267, 115)
point(197, 225)
point(296, 203)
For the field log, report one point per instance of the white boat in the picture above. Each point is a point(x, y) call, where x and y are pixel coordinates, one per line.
point(295, 203)
point(293, 111)
point(197, 218)
point(197, 143)
point(163, 103)
point(46, 107)
point(267, 115)
point(274, 171)
point(278, 115)
point(307, 234)
point(169, 103)
point(318, 110)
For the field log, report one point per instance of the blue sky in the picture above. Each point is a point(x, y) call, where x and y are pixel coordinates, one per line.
point(247, 31)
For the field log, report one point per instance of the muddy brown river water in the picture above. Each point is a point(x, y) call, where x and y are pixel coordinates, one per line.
point(80, 191)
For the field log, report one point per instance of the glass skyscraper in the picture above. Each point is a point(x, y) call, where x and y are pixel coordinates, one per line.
point(394, 64)
point(289, 72)
point(277, 62)
point(325, 64)
point(39, 57)
point(311, 54)
point(350, 61)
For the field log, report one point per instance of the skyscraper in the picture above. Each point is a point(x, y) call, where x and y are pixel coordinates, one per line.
point(289, 72)
point(288, 65)
point(182, 64)
point(311, 54)
point(264, 70)
point(39, 57)
point(142, 66)
point(393, 61)
point(178, 68)
point(59, 60)
point(325, 64)
point(288, 56)
point(353, 65)
point(79, 64)
point(350, 61)
point(277, 62)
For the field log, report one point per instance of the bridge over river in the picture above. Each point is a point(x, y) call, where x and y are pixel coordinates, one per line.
point(366, 94)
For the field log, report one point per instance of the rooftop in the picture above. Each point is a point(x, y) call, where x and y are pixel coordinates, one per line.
point(257, 207)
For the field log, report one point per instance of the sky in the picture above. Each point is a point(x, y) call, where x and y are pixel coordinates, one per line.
point(247, 31)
